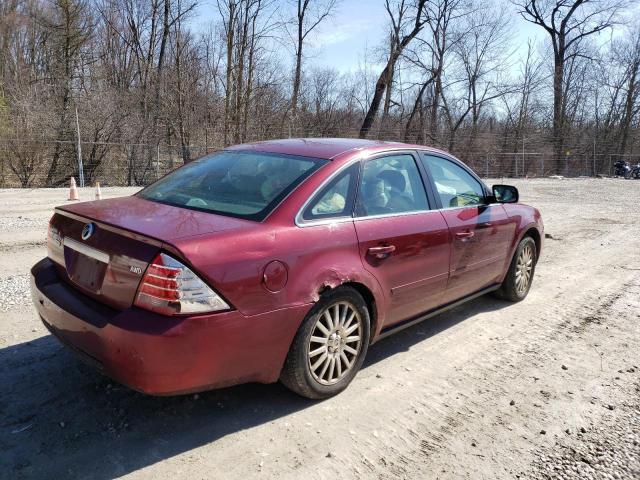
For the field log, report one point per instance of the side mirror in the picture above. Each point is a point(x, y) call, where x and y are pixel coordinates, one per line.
point(505, 194)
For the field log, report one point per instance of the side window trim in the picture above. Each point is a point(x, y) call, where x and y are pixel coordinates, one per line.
point(431, 205)
point(427, 181)
point(432, 186)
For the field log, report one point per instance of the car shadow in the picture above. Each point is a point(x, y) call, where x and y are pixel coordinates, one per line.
point(63, 419)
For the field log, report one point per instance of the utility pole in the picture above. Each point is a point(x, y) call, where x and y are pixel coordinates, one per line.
point(522, 158)
point(80, 167)
point(594, 155)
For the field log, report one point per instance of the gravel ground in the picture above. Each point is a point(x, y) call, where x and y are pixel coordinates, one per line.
point(610, 450)
point(545, 388)
point(14, 291)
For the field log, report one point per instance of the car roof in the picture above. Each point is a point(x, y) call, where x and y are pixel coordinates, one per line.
point(327, 148)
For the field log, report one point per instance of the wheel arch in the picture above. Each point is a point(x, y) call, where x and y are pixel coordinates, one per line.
point(347, 272)
point(370, 301)
point(532, 231)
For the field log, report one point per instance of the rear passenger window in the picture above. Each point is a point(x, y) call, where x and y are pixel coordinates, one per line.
point(335, 199)
point(391, 185)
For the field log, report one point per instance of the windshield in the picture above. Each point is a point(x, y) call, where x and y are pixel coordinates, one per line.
point(236, 183)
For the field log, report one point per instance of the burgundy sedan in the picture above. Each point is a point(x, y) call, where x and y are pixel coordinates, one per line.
point(280, 260)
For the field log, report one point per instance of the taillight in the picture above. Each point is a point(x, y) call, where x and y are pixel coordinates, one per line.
point(53, 237)
point(170, 288)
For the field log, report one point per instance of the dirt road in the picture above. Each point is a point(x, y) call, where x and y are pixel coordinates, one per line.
point(488, 390)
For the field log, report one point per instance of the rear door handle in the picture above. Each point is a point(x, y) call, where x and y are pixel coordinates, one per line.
point(381, 252)
point(465, 235)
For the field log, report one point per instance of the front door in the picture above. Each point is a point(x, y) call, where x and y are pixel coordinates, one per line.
point(403, 243)
point(480, 233)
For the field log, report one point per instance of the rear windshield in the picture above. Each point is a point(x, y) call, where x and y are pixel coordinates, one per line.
point(239, 184)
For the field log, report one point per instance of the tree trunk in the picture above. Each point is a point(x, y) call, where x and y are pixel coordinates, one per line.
point(558, 123)
point(381, 86)
point(298, 72)
point(435, 106)
point(417, 106)
point(230, 31)
point(628, 106)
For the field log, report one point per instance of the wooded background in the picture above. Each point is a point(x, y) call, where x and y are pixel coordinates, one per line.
point(153, 91)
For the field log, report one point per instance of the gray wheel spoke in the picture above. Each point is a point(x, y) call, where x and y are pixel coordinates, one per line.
point(347, 323)
point(354, 338)
point(320, 326)
point(315, 366)
point(352, 329)
point(317, 351)
point(327, 316)
point(325, 366)
point(347, 363)
point(343, 316)
point(347, 348)
point(332, 366)
point(322, 340)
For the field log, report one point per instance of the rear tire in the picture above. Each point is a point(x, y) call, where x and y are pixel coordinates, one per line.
point(517, 283)
point(330, 345)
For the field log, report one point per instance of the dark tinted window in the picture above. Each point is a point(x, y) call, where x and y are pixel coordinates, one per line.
point(240, 184)
point(335, 199)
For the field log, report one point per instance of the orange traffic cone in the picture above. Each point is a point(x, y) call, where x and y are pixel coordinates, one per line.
point(98, 192)
point(73, 190)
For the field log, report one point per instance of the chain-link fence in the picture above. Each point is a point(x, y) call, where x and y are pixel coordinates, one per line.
point(45, 163)
point(51, 164)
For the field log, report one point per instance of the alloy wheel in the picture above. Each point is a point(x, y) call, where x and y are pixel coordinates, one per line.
point(524, 269)
point(335, 343)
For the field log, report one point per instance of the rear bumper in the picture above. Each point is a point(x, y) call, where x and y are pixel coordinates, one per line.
point(162, 355)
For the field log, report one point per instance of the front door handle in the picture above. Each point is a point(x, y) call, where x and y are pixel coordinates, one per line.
point(465, 235)
point(381, 252)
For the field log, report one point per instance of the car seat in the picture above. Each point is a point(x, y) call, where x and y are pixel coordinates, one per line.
point(399, 201)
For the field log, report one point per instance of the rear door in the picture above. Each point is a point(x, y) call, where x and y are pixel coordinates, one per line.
point(402, 242)
point(481, 233)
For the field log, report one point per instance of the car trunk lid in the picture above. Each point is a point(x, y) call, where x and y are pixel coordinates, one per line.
point(103, 248)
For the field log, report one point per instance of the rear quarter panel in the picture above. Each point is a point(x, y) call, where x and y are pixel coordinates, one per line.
point(316, 257)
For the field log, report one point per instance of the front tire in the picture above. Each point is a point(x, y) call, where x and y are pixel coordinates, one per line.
point(330, 345)
point(517, 283)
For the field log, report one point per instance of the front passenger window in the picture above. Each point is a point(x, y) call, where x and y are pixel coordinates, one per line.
point(454, 185)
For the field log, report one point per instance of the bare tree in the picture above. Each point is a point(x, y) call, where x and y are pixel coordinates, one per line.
point(153, 90)
point(309, 15)
point(519, 101)
point(567, 22)
point(630, 52)
point(407, 20)
point(69, 28)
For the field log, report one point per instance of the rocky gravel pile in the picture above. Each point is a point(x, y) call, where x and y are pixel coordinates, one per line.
point(14, 291)
point(609, 451)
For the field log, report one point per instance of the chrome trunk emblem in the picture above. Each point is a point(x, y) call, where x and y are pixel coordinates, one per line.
point(88, 230)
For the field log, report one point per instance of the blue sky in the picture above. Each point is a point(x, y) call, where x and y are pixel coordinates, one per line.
point(340, 42)
point(359, 24)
